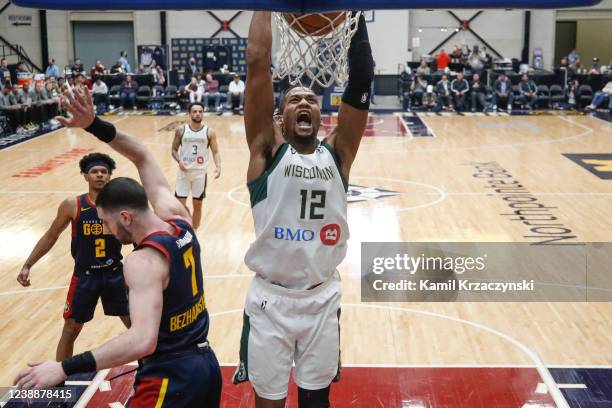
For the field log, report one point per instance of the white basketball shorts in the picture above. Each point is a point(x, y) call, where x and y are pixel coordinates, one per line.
point(191, 181)
point(283, 326)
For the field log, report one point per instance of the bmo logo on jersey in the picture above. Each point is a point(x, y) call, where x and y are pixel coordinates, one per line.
point(330, 234)
point(287, 234)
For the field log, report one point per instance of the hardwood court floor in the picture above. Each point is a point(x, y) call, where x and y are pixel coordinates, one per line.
point(439, 200)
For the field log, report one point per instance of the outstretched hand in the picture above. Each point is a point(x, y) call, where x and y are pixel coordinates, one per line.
point(80, 105)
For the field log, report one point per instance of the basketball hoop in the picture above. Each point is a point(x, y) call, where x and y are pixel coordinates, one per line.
point(315, 57)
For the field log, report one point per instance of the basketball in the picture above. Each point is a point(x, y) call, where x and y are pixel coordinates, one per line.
point(316, 24)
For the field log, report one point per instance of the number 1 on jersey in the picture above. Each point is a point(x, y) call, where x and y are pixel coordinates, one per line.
point(316, 200)
point(190, 263)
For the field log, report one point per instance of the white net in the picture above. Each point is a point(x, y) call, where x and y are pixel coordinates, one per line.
point(310, 57)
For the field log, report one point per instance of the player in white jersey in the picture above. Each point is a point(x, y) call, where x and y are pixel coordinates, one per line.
point(297, 186)
point(190, 150)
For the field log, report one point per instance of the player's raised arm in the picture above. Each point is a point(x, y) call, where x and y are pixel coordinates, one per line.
point(259, 94)
point(353, 115)
point(144, 274)
point(158, 190)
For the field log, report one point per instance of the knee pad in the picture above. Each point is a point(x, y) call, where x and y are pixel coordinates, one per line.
point(313, 398)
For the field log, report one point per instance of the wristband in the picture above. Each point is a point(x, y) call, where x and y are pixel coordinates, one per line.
point(104, 131)
point(81, 363)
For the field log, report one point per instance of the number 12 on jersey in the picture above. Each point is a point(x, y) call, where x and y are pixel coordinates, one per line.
point(310, 203)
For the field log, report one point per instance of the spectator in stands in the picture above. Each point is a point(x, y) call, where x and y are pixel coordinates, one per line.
point(442, 60)
point(405, 81)
point(25, 94)
point(158, 74)
point(573, 56)
point(77, 68)
point(564, 69)
point(596, 68)
point(211, 90)
point(194, 91)
point(5, 73)
point(125, 64)
point(502, 91)
point(484, 54)
point(51, 99)
point(127, 92)
point(117, 68)
point(418, 89)
point(459, 89)
point(423, 69)
point(478, 93)
point(443, 90)
point(22, 68)
point(38, 91)
point(191, 69)
point(43, 109)
point(24, 99)
point(52, 70)
point(429, 101)
point(97, 69)
point(235, 97)
point(9, 105)
point(141, 70)
point(528, 91)
point(476, 61)
point(600, 97)
point(576, 66)
point(456, 55)
point(100, 96)
point(50, 90)
point(61, 84)
point(571, 92)
point(81, 80)
point(609, 69)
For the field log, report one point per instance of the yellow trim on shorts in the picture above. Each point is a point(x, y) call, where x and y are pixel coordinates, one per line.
point(162, 393)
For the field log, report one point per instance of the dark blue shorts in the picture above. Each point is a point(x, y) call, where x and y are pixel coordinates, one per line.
point(187, 380)
point(87, 287)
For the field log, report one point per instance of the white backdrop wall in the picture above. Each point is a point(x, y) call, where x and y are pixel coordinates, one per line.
point(392, 32)
point(502, 29)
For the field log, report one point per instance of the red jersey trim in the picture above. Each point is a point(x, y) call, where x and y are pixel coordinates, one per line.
point(89, 201)
point(76, 217)
point(157, 246)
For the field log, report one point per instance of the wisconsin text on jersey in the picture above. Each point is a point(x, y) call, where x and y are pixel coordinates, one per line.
point(323, 173)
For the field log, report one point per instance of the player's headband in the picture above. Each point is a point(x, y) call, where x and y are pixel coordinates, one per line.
point(97, 163)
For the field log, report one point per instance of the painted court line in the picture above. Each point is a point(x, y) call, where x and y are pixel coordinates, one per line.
point(547, 377)
point(91, 389)
point(428, 126)
point(27, 291)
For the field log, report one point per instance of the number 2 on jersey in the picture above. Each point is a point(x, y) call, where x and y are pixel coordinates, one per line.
point(100, 248)
point(190, 263)
point(316, 200)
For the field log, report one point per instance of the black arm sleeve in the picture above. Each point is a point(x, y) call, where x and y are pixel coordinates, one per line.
point(361, 69)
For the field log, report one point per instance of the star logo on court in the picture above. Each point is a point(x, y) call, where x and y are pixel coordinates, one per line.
point(358, 194)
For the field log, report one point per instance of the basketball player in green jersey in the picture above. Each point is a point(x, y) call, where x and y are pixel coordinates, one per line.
point(297, 186)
